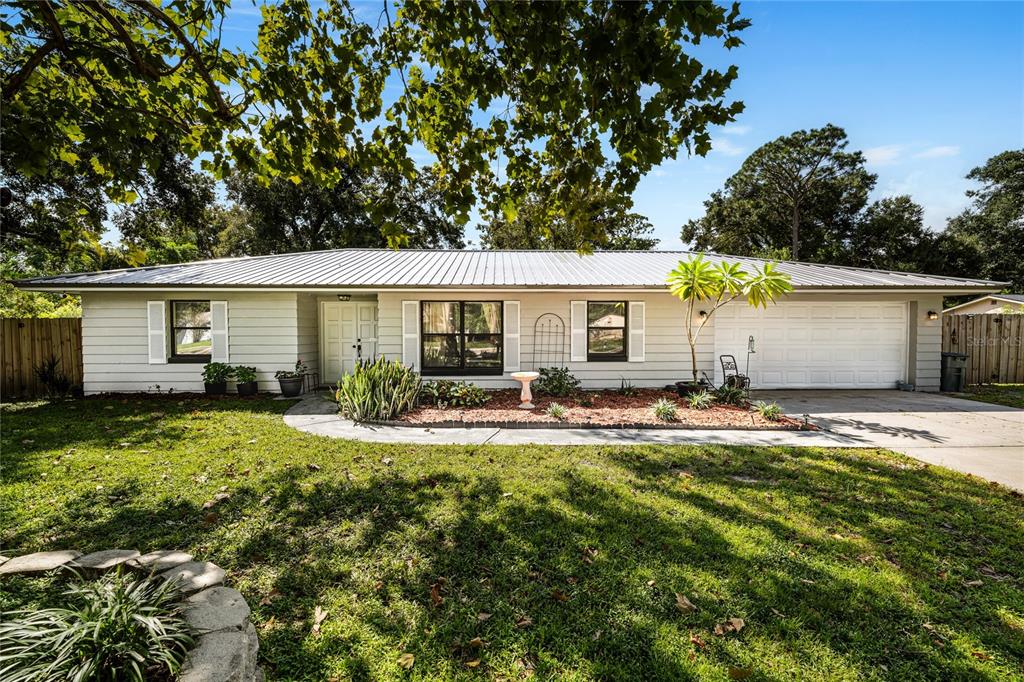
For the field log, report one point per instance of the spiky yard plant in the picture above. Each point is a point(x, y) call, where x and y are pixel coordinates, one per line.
point(771, 411)
point(701, 400)
point(697, 281)
point(120, 627)
point(382, 389)
point(557, 411)
point(665, 410)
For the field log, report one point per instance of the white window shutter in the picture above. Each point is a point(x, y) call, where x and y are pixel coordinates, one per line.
point(510, 345)
point(157, 313)
point(219, 331)
point(411, 334)
point(637, 335)
point(578, 337)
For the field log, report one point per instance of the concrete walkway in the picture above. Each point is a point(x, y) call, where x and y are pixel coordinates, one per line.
point(972, 437)
point(317, 415)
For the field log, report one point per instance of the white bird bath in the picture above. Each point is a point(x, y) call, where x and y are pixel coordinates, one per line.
point(525, 396)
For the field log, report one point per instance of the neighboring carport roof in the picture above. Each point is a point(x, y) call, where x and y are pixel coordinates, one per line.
point(413, 268)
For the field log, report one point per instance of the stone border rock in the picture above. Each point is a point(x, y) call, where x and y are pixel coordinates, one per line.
point(226, 646)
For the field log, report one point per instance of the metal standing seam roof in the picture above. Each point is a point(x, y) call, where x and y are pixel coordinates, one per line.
point(387, 268)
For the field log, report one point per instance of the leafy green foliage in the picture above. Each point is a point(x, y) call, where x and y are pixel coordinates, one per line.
point(731, 395)
point(53, 378)
point(448, 393)
point(243, 374)
point(697, 281)
point(565, 97)
point(538, 224)
point(768, 410)
point(627, 389)
point(297, 372)
point(856, 548)
point(378, 390)
point(558, 382)
point(119, 627)
point(216, 372)
point(701, 400)
point(665, 409)
point(556, 411)
point(802, 190)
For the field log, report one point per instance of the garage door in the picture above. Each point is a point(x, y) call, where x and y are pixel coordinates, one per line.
point(816, 345)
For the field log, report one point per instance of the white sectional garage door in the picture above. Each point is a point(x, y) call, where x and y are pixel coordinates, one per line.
point(816, 345)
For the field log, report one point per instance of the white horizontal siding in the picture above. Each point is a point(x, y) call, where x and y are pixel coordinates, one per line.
point(308, 340)
point(262, 332)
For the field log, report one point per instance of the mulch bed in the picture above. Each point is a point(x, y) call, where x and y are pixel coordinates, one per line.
point(607, 408)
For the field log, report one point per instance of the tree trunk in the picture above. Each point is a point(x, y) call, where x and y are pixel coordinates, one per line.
point(693, 359)
point(796, 232)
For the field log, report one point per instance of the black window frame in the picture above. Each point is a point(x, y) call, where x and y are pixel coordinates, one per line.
point(188, 357)
point(605, 357)
point(462, 370)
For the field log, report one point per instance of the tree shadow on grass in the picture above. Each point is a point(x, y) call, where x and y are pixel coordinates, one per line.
point(577, 578)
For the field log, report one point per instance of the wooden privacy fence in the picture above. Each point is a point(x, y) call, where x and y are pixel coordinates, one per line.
point(27, 343)
point(994, 345)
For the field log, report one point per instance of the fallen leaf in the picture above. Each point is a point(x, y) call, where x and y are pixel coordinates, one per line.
point(974, 583)
point(319, 615)
point(650, 583)
point(778, 613)
point(387, 461)
point(267, 600)
point(210, 518)
point(524, 622)
point(217, 499)
point(981, 656)
point(476, 642)
point(740, 673)
point(697, 641)
point(558, 595)
point(684, 604)
point(475, 663)
point(313, 467)
point(731, 625)
point(406, 661)
point(435, 594)
point(482, 616)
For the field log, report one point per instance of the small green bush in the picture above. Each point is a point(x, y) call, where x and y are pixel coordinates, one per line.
point(731, 395)
point(556, 381)
point(557, 411)
point(771, 411)
point(700, 401)
point(117, 628)
point(382, 389)
point(447, 393)
point(216, 372)
point(244, 375)
point(627, 389)
point(665, 410)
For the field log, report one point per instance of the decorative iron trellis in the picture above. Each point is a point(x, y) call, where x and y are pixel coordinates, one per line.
point(548, 341)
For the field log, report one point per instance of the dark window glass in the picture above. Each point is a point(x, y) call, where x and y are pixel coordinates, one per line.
point(606, 330)
point(190, 329)
point(461, 337)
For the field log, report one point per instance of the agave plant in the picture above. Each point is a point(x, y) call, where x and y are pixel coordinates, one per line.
point(119, 627)
point(378, 390)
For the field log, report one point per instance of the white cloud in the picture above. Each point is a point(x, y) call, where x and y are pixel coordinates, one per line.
point(939, 152)
point(734, 129)
point(724, 145)
point(884, 155)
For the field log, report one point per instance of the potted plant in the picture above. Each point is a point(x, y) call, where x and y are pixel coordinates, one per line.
point(246, 378)
point(696, 280)
point(215, 377)
point(291, 380)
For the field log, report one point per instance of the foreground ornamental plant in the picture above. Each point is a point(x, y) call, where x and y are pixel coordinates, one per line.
point(697, 281)
point(119, 628)
point(382, 389)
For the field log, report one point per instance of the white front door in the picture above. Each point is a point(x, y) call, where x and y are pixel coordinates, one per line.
point(816, 344)
point(348, 334)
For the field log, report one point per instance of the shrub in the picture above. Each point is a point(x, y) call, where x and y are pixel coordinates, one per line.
point(56, 382)
point(731, 395)
point(216, 372)
point(557, 411)
point(700, 401)
point(244, 375)
point(770, 411)
point(300, 370)
point(446, 393)
point(627, 389)
point(119, 627)
point(382, 389)
point(556, 381)
point(665, 410)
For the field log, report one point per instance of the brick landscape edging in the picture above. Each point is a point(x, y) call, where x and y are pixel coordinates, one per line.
point(575, 425)
point(226, 646)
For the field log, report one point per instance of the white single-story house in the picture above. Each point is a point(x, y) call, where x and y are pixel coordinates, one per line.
point(993, 304)
point(479, 315)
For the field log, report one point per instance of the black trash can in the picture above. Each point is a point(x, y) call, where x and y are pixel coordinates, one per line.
point(954, 372)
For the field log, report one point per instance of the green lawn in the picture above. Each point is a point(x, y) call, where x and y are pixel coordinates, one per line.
point(1011, 395)
point(561, 563)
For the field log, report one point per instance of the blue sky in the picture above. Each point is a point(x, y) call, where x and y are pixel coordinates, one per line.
point(927, 90)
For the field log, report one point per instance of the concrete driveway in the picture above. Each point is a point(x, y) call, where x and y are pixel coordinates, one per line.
point(973, 437)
